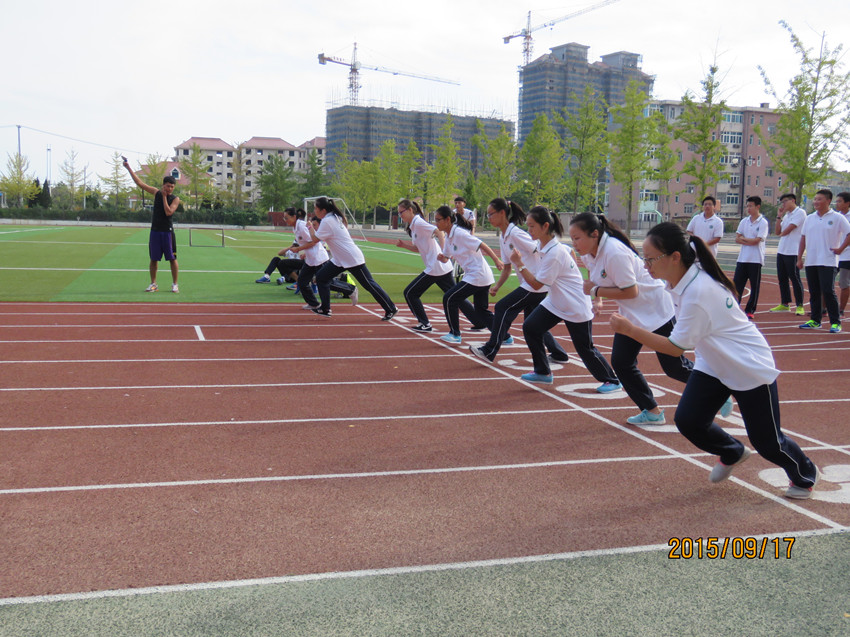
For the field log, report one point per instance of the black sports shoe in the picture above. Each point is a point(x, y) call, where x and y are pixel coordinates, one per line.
point(422, 327)
point(320, 311)
point(389, 315)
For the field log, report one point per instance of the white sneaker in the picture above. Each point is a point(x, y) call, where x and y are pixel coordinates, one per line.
point(355, 296)
point(722, 471)
point(174, 288)
point(151, 288)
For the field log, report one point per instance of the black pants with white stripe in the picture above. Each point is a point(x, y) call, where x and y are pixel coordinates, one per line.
point(541, 320)
point(821, 282)
point(361, 274)
point(759, 407)
point(416, 288)
point(505, 313)
point(480, 317)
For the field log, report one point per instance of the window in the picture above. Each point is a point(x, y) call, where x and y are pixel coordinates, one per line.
point(761, 120)
point(771, 129)
point(736, 179)
point(175, 173)
point(230, 153)
point(260, 163)
point(689, 208)
point(733, 117)
point(732, 198)
point(757, 180)
point(248, 172)
point(768, 193)
point(209, 158)
point(768, 172)
point(689, 190)
point(248, 183)
point(779, 183)
point(230, 175)
point(218, 153)
point(648, 195)
point(260, 151)
point(752, 120)
point(248, 163)
point(679, 155)
point(758, 161)
point(733, 137)
point(751, 140)
point(749, 179)
point(677, 198)
point(732, 159)
point(185, 151)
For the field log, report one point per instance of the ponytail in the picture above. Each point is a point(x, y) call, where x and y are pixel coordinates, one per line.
point(668, 238)
point(328, 205)
point(542, 215)
point(513, 211)
point(407, 204)
point(590, 223)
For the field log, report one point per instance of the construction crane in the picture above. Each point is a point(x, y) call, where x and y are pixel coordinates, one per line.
point(354, 67)
point(525, 34)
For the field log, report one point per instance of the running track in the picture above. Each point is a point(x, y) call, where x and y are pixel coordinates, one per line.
point(165, 444)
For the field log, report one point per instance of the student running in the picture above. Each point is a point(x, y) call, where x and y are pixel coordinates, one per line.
point(566, 302)
point(507, 216)
point(345, 255)
point(732, 356)
point(468, 251)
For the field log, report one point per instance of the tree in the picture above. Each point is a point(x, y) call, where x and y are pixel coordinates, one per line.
point(16, 183)
point(541, 169)
point(410, 172)
point(585, 148)
point(234, 196)
point(664, 158)
point(195, 169)
point(72, 175)
point(631, 145)
point(277, 183)
point(117, 180)
point(814, 115)
point(44, 198)
point(699, 126)
point(152, 172)
point(388, 187)
point(444, 173)
point(499, 163)
point(314, 181)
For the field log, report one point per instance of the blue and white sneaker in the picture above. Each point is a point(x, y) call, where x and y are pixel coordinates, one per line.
point(293, 287)
point(263, 279)
point(540, 379)
point(508, 341)
point(835, 328)
point(726, 409)
point(607, 388)
point(451, 338)
point(281, 280)
point(646, 417)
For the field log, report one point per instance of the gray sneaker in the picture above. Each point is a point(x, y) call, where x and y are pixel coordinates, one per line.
point(722, 471)
point(802, 493)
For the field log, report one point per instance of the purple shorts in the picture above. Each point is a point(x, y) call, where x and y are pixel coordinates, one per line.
point(161, 244)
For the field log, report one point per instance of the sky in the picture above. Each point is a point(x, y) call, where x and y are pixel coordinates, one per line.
point(95, 77)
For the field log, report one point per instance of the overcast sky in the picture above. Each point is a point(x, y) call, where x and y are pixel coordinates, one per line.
point(143, 77)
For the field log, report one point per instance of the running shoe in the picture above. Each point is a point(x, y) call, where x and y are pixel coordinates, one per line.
point(477, 328)
point(280, 280)
point(726, 409)
point(800, 311)
point(174, 288)
point(751, 316)
point(780, 308)
point(508, 341)
point(540, 379)
point(802, 493)
point(293, 287)
point(320, 311)
point(835, 328)
point(308, 307)
point(264, 279)
point(354, 297)
point(451, 338)
point(607, 388)
point(480, 353)
point(646, 417)
point(390, 314)
point(422, 327)
point(722, 471)
point(810, 325)
point(152, 288)
point(553, 359)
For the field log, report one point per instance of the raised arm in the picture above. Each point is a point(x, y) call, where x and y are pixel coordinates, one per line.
point(139, 182)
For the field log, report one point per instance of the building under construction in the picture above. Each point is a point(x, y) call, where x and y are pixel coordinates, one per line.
point(556, 81)
point(366, 128)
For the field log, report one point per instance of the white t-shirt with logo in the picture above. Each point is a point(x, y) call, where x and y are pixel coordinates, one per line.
point(343, 251)
point(559, 271)
point(750, 229)
point(822, 234)
point(422, 235)
point(517, 238)
point(465, 249)
point(315, 255)
point(706, 229)
point(790, 243)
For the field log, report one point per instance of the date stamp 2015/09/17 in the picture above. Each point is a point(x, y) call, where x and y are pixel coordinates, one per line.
point(713, 548)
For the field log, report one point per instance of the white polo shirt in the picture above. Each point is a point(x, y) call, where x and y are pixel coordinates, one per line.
point(615, 265)
point(314, 256)
point(845, 256)
point(422, 235)
point(343, 251)
point(823, 233)
point(514, 237)
point(750, 229)
point(790, 243)
point(559, 271)
point(726, 344)
point(465, 248)
point(706, 229)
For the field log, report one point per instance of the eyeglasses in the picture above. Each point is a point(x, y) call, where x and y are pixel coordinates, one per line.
point(648, 262)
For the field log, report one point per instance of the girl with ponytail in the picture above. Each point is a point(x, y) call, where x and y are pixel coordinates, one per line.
point(732, 357)
point(345, 255)
point(615, 271)
point(566, 301)
point(507, 216)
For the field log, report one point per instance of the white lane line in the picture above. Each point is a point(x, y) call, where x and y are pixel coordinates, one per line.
point(199, 333)
point(327, 476)
point(373, 572)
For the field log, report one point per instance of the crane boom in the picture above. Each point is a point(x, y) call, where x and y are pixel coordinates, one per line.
point(355, 66)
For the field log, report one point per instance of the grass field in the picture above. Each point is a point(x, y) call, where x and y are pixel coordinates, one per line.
point(110, 264)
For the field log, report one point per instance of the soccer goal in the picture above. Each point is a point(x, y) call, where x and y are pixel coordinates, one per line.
point(340, 203)
point(200, 237)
